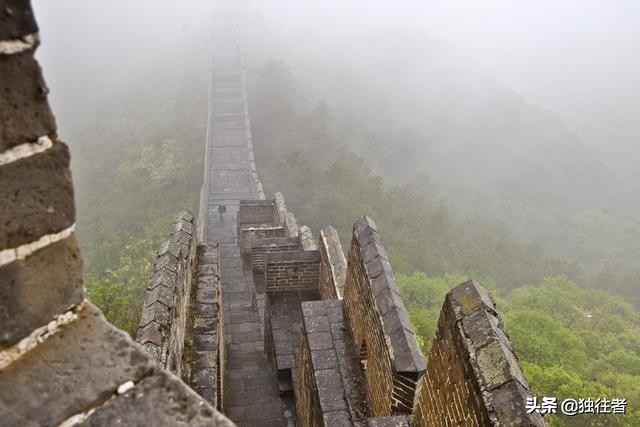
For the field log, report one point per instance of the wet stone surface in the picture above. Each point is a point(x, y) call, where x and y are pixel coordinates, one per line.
point(251, 395)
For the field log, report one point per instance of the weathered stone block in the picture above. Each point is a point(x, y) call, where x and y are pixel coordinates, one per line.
point(16, 19)
point(498, 365)
point(324, 359)
point(162, 277)
point(392, 421)
point(75, 369)
point(36, 194)
point(34, 290)
point(317, 324)
point(24, 112)
point(320, 341)
point(171, 247)
point(330, 390)
point(159, 400)
point(151, 333)
point(162, 295)
point(337, 419)
point(155, 312)
point(509, 404)
point(468, 297)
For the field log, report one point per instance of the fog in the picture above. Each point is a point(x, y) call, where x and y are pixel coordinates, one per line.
point(577, 58)
point(522, 113)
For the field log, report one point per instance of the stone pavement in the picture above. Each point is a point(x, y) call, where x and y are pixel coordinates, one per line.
point(251, 396)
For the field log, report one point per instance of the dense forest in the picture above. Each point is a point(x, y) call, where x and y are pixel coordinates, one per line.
point(463, 177)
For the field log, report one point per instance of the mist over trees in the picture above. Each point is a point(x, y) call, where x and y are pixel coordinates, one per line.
point(467, 169)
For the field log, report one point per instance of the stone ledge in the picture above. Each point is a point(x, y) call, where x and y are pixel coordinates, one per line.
point(159, 400)
point(406, 355)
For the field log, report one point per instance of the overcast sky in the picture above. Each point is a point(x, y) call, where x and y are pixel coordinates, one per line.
point(579, 58)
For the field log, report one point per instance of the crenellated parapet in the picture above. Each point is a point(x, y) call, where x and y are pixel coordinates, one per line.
point(380, 324)
point(333, 268)
point(164, 314)
point(473, 376)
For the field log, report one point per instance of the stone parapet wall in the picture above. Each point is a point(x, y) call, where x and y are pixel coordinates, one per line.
point(292, 271)
point(307, 241)
point(333, 267)
point(255, 179)
point(473, 375)
point(206, 335)
point(380, 324)
point(252, 233)
point(260, 249)
point(285, 217)
point(164, 314)
point(256, 212)
point(308, 409)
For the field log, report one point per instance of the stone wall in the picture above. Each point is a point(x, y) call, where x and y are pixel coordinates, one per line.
point(206, 353)
point(164, 313)
point(473, 376)
point(308, 410)
point(251, 233)
point(292, 271)
point(257, 212)
point(257, 219)
point(380, 324)
point(61, 362)
point(306, 239)
point(256, 184)
point(331, 391)
point(333, 267)
point(285, 217)
point(260, 248)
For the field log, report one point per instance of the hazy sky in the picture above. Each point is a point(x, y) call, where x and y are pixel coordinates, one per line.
point(579, 58)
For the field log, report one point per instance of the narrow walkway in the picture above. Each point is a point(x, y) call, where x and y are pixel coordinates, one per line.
point(251, 395)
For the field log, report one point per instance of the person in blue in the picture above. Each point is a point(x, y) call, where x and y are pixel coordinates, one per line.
point(222, 209)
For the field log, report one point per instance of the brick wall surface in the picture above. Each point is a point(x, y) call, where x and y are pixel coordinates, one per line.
point(257, 212)
point(473, 376)
point(333, 268)
point(292, 271)
point(250, 233)
point(260, 248)
point(380, 324)
point(164, 314)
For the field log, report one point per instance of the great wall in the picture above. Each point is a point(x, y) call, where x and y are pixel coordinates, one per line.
point(245, 315)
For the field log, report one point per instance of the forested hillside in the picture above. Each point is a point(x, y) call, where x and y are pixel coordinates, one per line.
point(413, 107)
point(573, 342)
